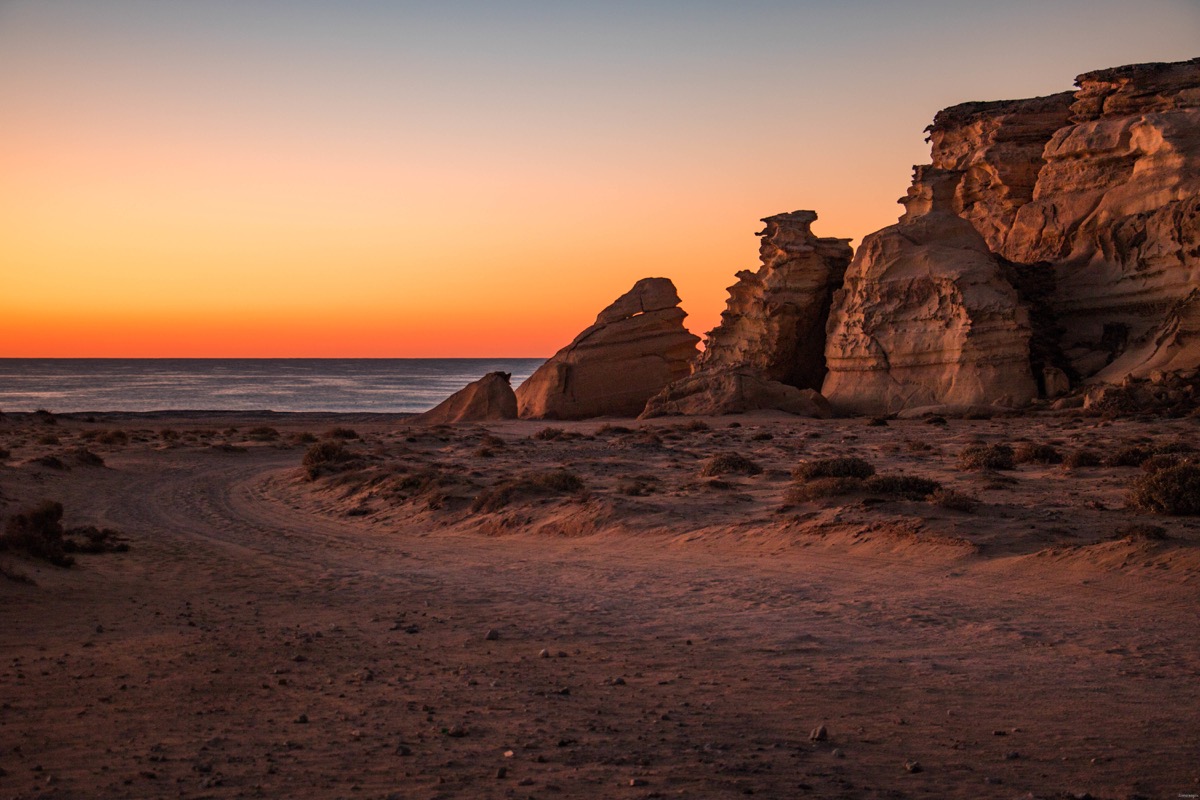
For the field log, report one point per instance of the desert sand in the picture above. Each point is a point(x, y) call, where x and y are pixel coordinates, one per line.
point(657, 633)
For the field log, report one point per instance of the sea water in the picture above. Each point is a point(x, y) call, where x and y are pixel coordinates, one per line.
point(66, 385)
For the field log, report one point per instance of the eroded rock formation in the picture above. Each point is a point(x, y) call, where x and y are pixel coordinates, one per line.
point(1086, 208)
point(773, 325)
point(487, 399)
point(734, 391)
point(636, 347)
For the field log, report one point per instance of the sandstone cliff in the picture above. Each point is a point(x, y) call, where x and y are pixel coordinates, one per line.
point(636, 347)
point(774, 321)
point(489, 398)
point(1085, 207)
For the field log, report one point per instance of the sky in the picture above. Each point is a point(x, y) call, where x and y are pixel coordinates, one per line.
point(361, 178)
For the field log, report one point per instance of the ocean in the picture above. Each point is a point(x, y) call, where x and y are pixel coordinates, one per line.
point(65, 385)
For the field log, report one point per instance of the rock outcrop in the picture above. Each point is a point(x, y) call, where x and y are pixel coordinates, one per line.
point(773, 325)
point(1086, 210)
point(734, 391)
point(488, 399)
point(636, 347)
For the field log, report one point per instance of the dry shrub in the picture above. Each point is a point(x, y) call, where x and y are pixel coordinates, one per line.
point(637, 485)
point(910, 487)
point(48, 439)
point(341, 433)
point(817, 488)
point(114, 437)
point(1027, 452)
point(693, 426)
point(168, 435)
point(324, 458)
point(532, 484)
point(1143, 533)
point(987, 456)
point(1174, 490)
point(877, 422)
point(44, 416)
point(606, 429)
point(730, 463)
point(1163, 461)
point(86, 457)
point(38, 532)
point(1131, 456)
point(954, 501)
point(52, 462)
point(90, 539)
point(762, 437)
point(263, 433)
point(1081, 458)
point(4, 453)
point(844, 467)
point(549, 434)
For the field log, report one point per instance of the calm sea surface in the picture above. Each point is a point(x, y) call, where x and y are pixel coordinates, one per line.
point(236, 384)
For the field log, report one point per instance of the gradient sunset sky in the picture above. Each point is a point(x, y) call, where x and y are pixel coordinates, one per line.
point(368, 178)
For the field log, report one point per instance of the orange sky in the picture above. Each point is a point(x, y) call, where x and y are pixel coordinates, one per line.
point(350, 179)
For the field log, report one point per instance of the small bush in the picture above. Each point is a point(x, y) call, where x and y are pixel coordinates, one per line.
point(323, 458)
point(1143, 533)
point(637, 485)
point(546, 483)
point(44, 416)
point(263, 433)
point(1174, 490)
point(4, 453)
point(342, 433)
point(987, 456)
point(817, 488)
point(48, 439)
point(168, 435)
point(90, 539)
point(303, 437)
point(877, 422)
point(954, 501)
point(38, 532)
point(52, 462)
point(606, 428)
point(549, 434)
point(762, 437)
point(694, 426)
point(935, 420)
point(1127, 457)
point(116, 437)
point(730, 463)
point(910, 487)
point(86, 457)
point(1163, 461)
point(845, 467)
point(1082, 458)
point(1026, 453)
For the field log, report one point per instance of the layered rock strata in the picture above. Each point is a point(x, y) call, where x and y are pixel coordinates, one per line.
point(734, 391)
point(488, 399)
point(636, 347)
point(773, 325)
point(1086, 207)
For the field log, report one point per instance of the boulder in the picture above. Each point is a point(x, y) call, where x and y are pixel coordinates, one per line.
point(636, 347)
point(487, 399)
point(734, 391)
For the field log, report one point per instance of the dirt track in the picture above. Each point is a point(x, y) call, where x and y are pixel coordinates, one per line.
point(250, 646)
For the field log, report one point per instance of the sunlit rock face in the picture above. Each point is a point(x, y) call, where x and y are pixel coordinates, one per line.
point(1085, 207)
point(487, 399)
point(636, 347)
point(773, 325)
point(768, 353)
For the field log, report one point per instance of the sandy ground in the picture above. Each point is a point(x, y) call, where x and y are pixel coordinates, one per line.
point(658, 633)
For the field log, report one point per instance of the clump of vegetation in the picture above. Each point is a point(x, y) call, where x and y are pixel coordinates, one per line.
point(51, 462)
point(844, 467)
point(817, 488)
point(4, 453)
point(730, 463)
point(910, 487)
point(1027, 452)
point(532, 484)
point(38, 532)
point(324, 458)
point(45, 417)
point(86, 457)
point(877, 422)
point(262, 433)
point(607, 428)
point(48, 439)
point(549, 434)
point(90, 539)
point(762, 437)
point(1173, 490)
point(1081, 458)
point(1143, 533)
point(113, 437)
point(694, 426)
point(341, 433)
point(955, 501)
point(1131, 456)
point(169, 435)
point(1163, 461)
point(304, 437)
point(935, 420)
point(637, 485)
point(987, 456)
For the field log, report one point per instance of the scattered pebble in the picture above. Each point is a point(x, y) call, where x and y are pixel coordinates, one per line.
point(819, 734)
point(544, 654)
point(492, 635)
point(913, 766)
